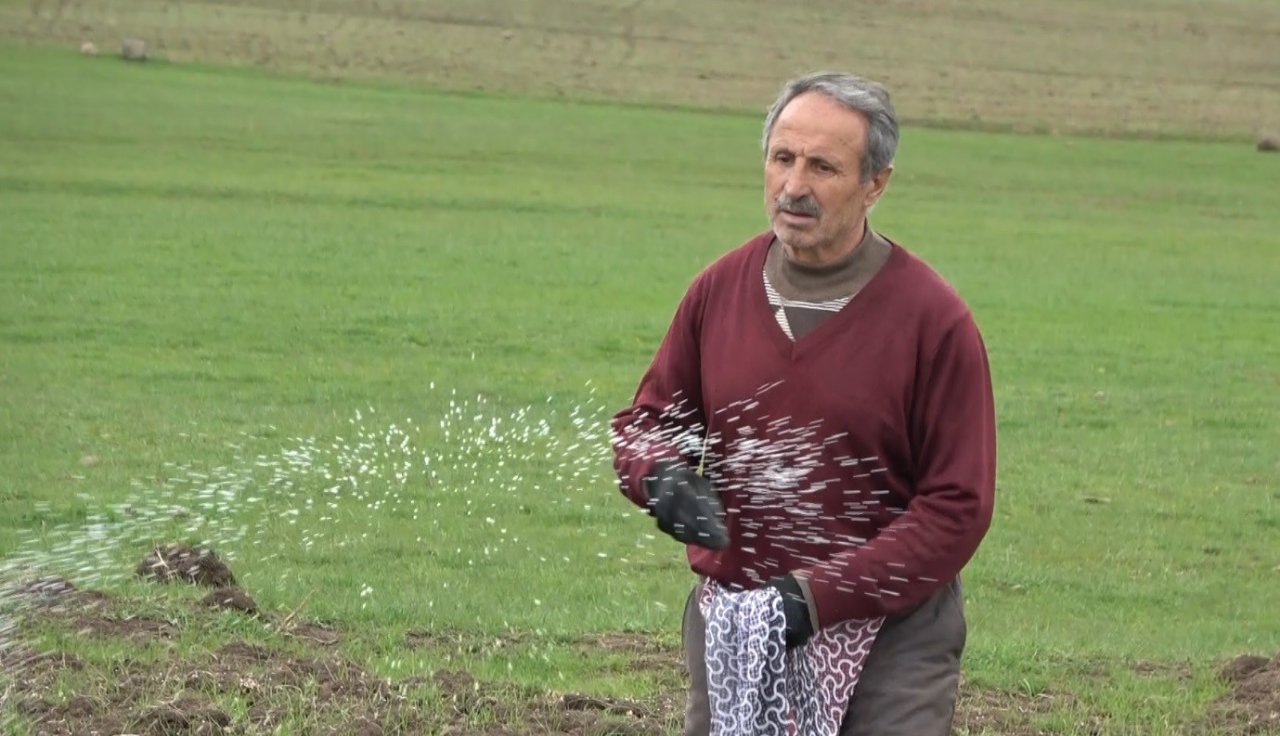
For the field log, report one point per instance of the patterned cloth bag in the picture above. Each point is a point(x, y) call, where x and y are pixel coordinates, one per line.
point(756, 687)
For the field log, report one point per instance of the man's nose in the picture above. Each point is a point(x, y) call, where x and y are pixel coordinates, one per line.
point(796, 184)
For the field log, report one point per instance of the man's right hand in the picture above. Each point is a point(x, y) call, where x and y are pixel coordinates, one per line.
point(686, 506)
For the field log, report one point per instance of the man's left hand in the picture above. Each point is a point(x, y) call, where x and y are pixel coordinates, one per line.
point(795, 608)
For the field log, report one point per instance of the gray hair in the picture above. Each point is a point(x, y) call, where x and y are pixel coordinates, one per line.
point(870, 99)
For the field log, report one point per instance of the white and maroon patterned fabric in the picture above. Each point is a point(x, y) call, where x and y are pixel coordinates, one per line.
point(756, 687)
point(746, 673)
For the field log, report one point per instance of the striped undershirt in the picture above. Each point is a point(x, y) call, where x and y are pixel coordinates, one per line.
point(782, 307)
point(803, 297)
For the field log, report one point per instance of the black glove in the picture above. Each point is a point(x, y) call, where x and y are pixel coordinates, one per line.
point(796, 610)
point(686, 506)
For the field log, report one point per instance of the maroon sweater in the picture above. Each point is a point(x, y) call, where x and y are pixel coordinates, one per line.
point(861, 457)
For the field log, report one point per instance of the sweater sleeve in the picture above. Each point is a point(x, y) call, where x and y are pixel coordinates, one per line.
point(952, 434)
point(665, 417)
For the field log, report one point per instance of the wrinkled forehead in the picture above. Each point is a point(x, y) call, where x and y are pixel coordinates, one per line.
point(814, 121)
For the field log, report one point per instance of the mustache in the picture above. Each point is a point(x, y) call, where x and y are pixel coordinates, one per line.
point(805, 205)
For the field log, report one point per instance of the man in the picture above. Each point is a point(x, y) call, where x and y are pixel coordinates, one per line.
point(819, 418)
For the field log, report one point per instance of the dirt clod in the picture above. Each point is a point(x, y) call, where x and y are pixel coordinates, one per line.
point(1268, 144)
point(187, 714)
point(1004, 712)
point(133, 628)
point(53, 594)
point(453, 683)
point(50, 587)
point(641, 651)
point(18, 658)
point(315, 634)
point(181, 561)
point(231, 599)
point(1252, 705)
point(573, 701)
point(1242, 667)
point(133, 49)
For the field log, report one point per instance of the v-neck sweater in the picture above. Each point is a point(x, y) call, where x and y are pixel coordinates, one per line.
point(860, 457)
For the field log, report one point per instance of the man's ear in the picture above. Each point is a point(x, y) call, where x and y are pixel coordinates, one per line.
point(879, 183)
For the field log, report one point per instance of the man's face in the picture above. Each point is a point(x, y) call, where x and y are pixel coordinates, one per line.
point(814, 192)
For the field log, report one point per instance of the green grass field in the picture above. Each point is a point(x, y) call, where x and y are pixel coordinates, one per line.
point(220, 281)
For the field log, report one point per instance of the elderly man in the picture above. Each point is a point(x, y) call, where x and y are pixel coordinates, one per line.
point(819, 420)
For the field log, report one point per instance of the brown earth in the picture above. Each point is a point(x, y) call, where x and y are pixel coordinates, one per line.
point(191, 694)
point(1252, 706)
point(314, 633)
point(182, 695)
point(1007, 714)
point(643, 651)
point(230, 599)
point(56, 593)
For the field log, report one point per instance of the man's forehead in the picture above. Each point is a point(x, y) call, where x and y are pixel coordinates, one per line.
point(816, 121)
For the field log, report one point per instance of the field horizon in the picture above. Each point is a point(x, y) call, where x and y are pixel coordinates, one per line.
point(1149, 69)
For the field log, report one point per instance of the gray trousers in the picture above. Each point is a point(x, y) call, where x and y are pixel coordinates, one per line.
point(908, 685)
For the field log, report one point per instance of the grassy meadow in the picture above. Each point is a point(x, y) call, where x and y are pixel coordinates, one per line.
point(361, 337)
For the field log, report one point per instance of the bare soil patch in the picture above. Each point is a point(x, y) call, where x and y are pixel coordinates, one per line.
point(525, 711)
point(314, 633)
point(57, 594)
point(192, 694)
point(1008, 714)
point(186, 714)
point(133, 628)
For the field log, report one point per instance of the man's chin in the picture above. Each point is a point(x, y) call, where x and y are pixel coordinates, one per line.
point(797, 238)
